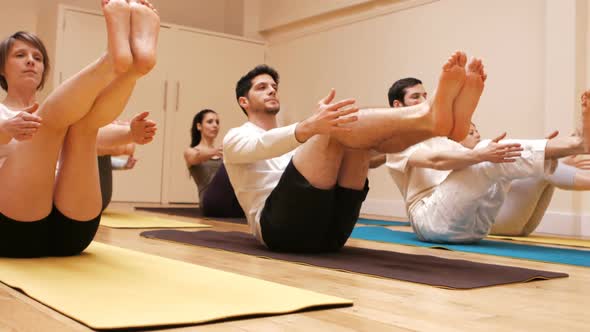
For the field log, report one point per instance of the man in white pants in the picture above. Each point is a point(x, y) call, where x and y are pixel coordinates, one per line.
point(454, 193)
point(527, 199)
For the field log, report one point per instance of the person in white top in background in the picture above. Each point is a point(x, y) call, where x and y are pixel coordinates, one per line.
point(43, 213)
point(527, 199)
point(116, 144)
point(302, 186)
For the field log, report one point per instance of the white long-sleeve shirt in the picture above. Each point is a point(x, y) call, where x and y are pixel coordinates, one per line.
point(416, 183)
point(255, 160)
point(5, 149)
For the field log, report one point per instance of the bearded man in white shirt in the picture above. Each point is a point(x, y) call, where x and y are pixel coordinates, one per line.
point(302, 186)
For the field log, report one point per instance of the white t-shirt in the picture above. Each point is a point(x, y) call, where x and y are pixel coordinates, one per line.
point(255, 160)
point(416, 183)
point(5, 149)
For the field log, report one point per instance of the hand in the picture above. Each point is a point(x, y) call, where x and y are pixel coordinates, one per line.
point(210, 153)
point(327, 118)
point(499, 153)
point(142, 129)
point(24, 125)
point(552, 135)
point(219, 152)
point(577, 161)
point(131, 161)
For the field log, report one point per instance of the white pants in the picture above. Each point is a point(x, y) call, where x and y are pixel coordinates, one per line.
point(528, 199)
point(462, 209)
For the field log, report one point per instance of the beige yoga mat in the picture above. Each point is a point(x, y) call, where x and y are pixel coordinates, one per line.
point(107, 287)
point(546, 240)
point(130, 220)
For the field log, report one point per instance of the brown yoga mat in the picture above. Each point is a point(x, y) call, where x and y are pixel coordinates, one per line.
point(423, 269)
point(191, 212)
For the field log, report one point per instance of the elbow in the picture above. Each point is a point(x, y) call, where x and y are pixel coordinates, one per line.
point(438, 164)
point(191, 162)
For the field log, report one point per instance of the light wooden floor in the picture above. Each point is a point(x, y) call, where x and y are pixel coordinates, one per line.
point(379, 304)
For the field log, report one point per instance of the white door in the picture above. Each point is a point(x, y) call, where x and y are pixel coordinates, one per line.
point(83, 39)
point(208, 67)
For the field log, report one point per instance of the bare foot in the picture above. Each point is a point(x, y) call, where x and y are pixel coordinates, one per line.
point(467, 100)
point(145, 26)
point(117, 15)
point(450, 83)
point(586, 119)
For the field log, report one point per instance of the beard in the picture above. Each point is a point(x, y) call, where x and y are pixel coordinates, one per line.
point(272, 110)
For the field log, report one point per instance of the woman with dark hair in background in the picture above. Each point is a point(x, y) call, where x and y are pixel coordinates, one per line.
point(205, 163)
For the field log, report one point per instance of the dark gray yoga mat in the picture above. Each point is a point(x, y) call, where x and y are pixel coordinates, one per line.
point(423, 269)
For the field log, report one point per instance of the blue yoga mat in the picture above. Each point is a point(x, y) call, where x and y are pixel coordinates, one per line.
point(498, 248)
point(366, 221)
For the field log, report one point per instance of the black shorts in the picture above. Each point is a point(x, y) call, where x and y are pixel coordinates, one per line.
point(298, 217)
point(54, 235)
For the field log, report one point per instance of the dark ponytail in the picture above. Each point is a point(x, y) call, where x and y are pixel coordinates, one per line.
point(195, 133)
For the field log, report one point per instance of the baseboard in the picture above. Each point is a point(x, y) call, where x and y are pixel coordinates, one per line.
point(386, 208)
point(555, 223)
point(567, 224)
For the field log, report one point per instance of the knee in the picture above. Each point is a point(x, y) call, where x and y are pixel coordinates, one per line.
point(145, 65)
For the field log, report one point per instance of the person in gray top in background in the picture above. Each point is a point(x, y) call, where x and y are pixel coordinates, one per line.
point(205, 164)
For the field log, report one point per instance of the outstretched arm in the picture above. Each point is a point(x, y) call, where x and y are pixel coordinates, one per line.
point(451, 160)
point(242, 147)
point(327, 118)
point(117, 150)
point(113, 135)
point(377, 160)
point(246, 147)
point(140, 131)
point(197, 155)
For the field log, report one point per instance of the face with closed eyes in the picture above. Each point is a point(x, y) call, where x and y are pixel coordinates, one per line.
point(472, 138)
point(414, 95)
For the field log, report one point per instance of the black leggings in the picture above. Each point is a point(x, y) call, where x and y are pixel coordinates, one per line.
point(105, 175)
point(54, 235)
point(219, 199)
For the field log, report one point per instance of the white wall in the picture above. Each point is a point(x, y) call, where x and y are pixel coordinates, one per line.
point(219, 15)
point(40, 16)
point(362, 59)
point(251, 19)
point(21, 15)
point(17, 16)
point(277, 13)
